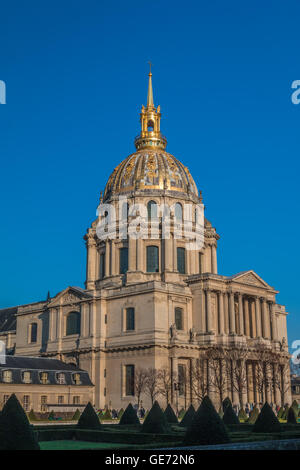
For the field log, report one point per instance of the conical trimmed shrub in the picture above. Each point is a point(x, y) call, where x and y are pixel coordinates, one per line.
point(89, 418)
point(207, 427)
point(76, 415)
point(280, 413)
point(229, 416)
point(291, 417)
point(266, 421)
point(16, 433)
point(129, 417)
point(156, 422)
point(32, 416)
point(51, 415)
point(221, 412)
point(120, 414)
point(170, 415)
point(188, 417)
point(253, 415)
point(181, 413)
point(242, 415)
point(285, 412)
point(295, 407)
point(226, 402)
point(106, 415)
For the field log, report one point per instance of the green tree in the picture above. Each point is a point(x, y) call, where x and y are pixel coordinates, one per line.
point(76, 415)
point(266, 422)
point(156, 422)
point(129, 417)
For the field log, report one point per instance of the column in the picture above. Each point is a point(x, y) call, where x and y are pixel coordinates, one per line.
point(232, 313)
point(253, 319)
point(214, 268)
point(241, 314)
point(107, 258)
point(226, 316)
point(140, 263)
point(255, 394)
point(208, 312)
point(274, 328)
point(191, 254)
point(168, 254)
point(203, 312)
point(131, 254)
point(235, 393)
point(258, 317)
point(174, 366)
point(113, 257)
point(91, 262)
point(221, 313)
point(265, 318)
point(246, 310)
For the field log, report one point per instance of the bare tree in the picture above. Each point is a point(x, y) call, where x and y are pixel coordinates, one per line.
point(152, 384)
point(237, 358)
point(200, 380)
point(140, 377)
point(165, 384)
point(219, 366)
point(282, 381)
point(262, 378)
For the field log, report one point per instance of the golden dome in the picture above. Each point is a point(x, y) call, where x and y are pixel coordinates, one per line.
point(150, 169)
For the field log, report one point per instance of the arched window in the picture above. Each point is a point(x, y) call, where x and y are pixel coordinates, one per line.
point(73, 324)
point(152, 210)
point(150, 126)
point(33, 333)
point(123, 260)
point(181, 260)
point(179, 318)
point(178, 212)
point(152, 259)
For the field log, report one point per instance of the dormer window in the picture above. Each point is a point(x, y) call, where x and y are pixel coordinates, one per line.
point(61, 378)
point(7, 376)
point(26, 377)
point(76, 379)
point(44, 378)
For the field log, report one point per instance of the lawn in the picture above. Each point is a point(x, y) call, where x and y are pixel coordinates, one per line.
point(79, 445)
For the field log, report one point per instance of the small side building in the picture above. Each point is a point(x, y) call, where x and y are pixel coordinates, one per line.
point(45, 384)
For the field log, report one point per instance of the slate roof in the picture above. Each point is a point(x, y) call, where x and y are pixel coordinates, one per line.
point(8, 319)
point(19, 364)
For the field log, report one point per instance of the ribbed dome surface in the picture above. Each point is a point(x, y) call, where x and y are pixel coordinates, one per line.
point(150, 169)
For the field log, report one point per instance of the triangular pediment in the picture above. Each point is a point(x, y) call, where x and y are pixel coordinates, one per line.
point(250, 278)
point(69, 295)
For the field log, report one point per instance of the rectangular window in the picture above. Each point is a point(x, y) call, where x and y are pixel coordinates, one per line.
point(129, 380)
point(102, 266)
point(7, 376)
point(104, 372)
point(27, 377)
point(123, 260)
point(60, 400)
point(104, 391)
point(181, 260)
point(129, 319)
point(181, 379)
point(44, 378)
point(26, 402)
point(152, 259)
point(33, 332)
point(105, 319)
point(76, 378)
point(178, 318)
point(76, 400)
point(44, 406)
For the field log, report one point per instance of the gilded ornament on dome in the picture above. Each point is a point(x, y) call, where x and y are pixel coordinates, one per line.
point(151, 166)
point(128, 170)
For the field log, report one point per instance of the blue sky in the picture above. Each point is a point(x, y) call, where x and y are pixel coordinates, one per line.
point(76, 76)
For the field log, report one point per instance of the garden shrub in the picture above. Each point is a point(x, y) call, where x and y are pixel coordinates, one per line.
point(170, 415)
point(121, 411)
point(207, 427)
point(51, 415)
point(266, 422)
point(229, 416)
point(226, 402)
point(221, 412)
point(89, 419)
point(254, 413)
point(129, 416)
point(155, 422)
point(280, 412)
point(181, 413)
point(32, 416)
point(188, 417)
point(243, 415)
point(16, 433)
point(76, 415)
point(106, 415)
point(291, 416)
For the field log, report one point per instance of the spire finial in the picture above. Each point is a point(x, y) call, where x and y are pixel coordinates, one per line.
point(150, 102)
